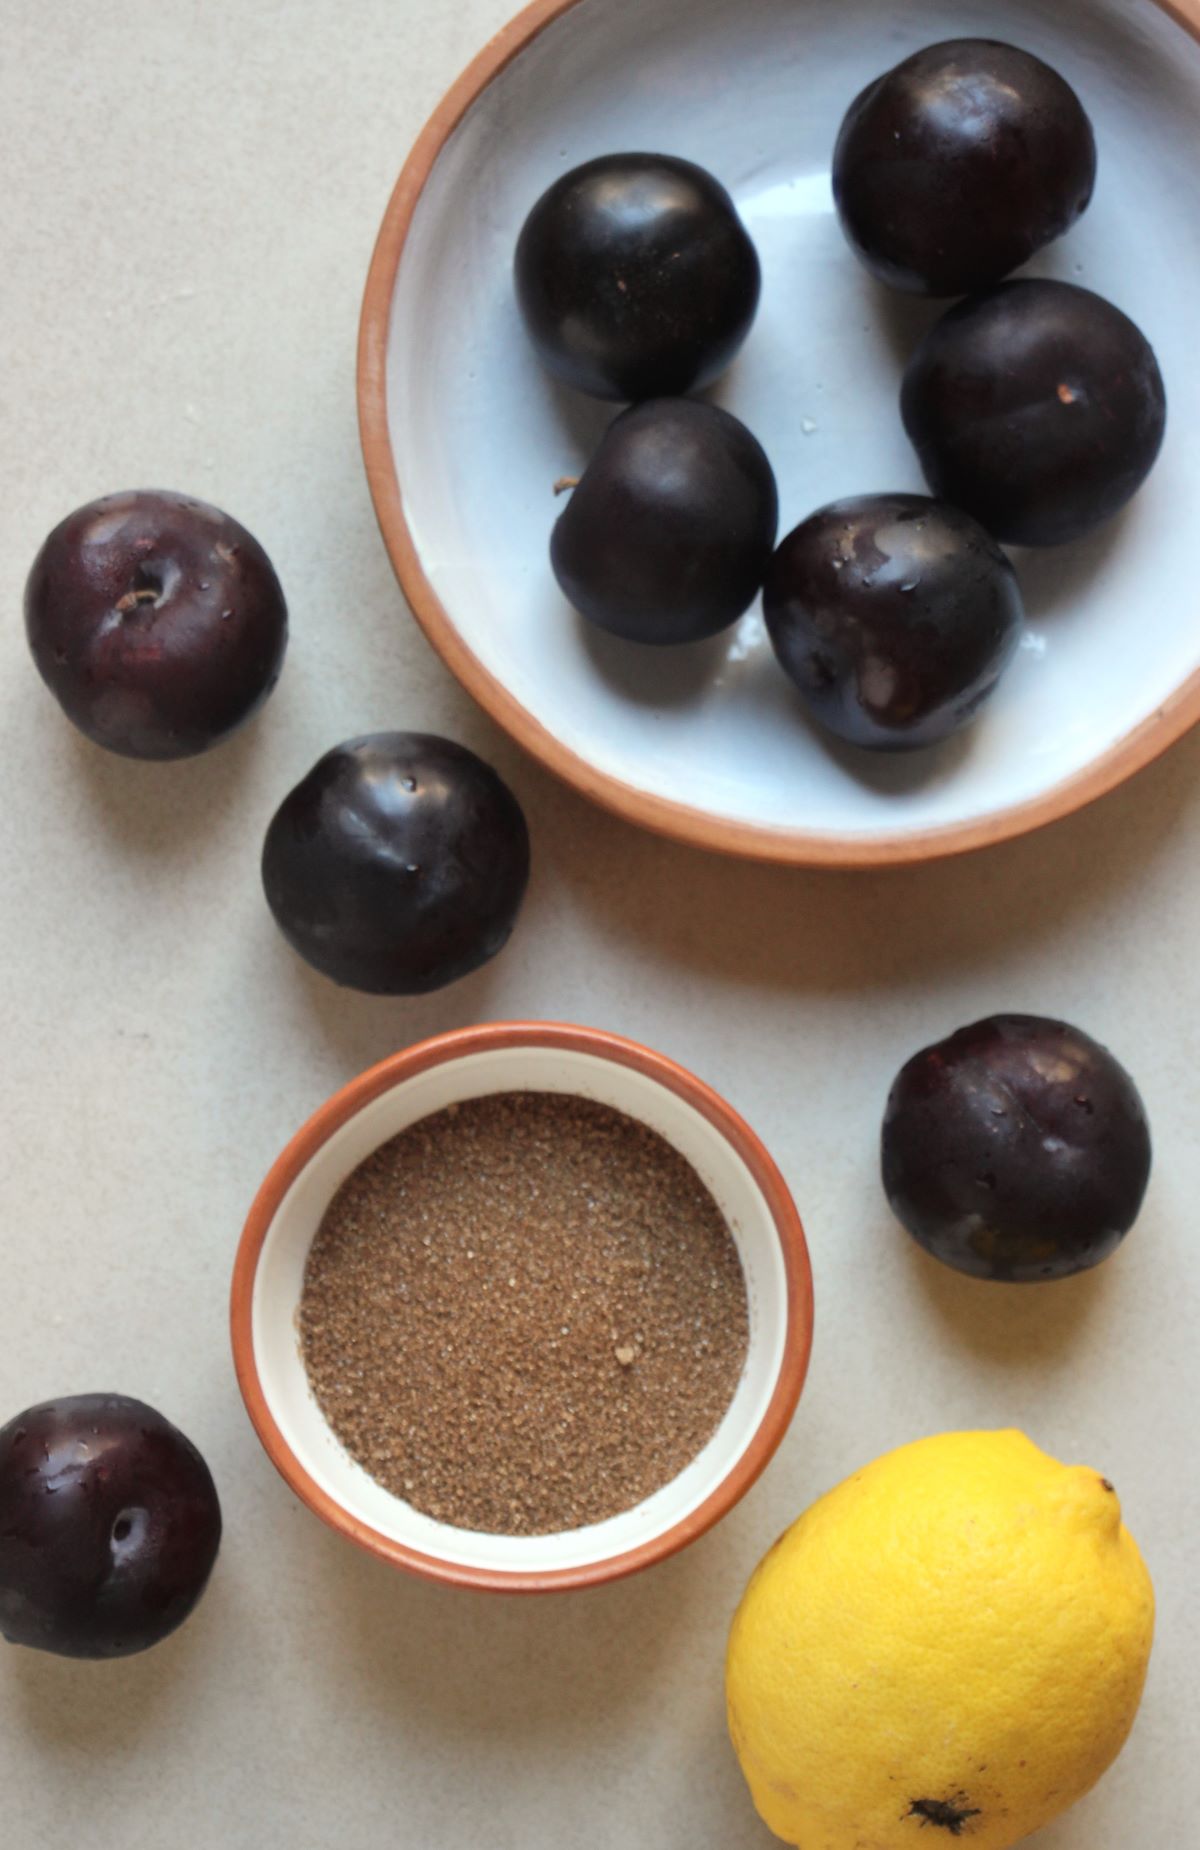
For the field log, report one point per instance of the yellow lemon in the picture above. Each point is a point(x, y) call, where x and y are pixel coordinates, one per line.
point(950, 1646)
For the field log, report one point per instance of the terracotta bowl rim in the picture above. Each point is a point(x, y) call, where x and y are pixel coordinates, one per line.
point(451, 1046)
point(1129, 754)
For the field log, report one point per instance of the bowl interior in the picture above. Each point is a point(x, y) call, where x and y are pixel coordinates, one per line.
point(756, 92)
point(280, 1272)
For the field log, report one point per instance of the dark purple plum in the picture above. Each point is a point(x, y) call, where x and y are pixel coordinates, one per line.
point(956, 166)
point(894, 615)
point(156, 621)
point(1016, 1149)
point(667, 535)
point(398, 864)
point(635, 277)
point(1038, 407)
point(109, 1526)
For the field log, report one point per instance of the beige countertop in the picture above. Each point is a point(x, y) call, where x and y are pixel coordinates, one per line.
point(191, 196)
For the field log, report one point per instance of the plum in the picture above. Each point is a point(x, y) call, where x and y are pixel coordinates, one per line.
point(1016, 1149)
point(109, 1526)
point(398, 864)
point(956, 166)
point(667, 535)
point(1038, 407)
point(894, 615)
point(635, 277)
point(156, 621)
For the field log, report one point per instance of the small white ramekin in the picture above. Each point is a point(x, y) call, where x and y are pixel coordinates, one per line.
point(502, 1057)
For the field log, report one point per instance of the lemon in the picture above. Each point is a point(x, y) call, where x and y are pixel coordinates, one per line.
point(949, 1646)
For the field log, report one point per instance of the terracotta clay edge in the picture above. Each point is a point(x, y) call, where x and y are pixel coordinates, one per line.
point(1130, 754)
point(490, 1038)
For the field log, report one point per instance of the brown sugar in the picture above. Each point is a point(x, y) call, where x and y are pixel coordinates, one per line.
point(524, 1313)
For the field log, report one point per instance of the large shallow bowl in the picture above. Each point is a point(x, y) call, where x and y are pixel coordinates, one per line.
point(464, 435)
point(501, 1057)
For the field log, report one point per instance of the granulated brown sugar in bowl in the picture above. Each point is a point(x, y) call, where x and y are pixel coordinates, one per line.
point(524, 1314)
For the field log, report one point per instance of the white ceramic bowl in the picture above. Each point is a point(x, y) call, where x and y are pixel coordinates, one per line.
point(510, 1057)
point(464, 435)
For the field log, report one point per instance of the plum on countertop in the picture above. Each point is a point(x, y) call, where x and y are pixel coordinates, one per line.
point(398, 864)
point(1016, 1149)
point(109, 1526)
point(156, 621)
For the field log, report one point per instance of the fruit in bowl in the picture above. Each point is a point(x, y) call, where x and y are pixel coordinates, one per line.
point(398, 864)
point(956, 166)
point(667, 534)
point(1038, 406)
point(156, 621)
point(894, 615)
point(635, 277)
point(109, 1526)
point(1016, 1149)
